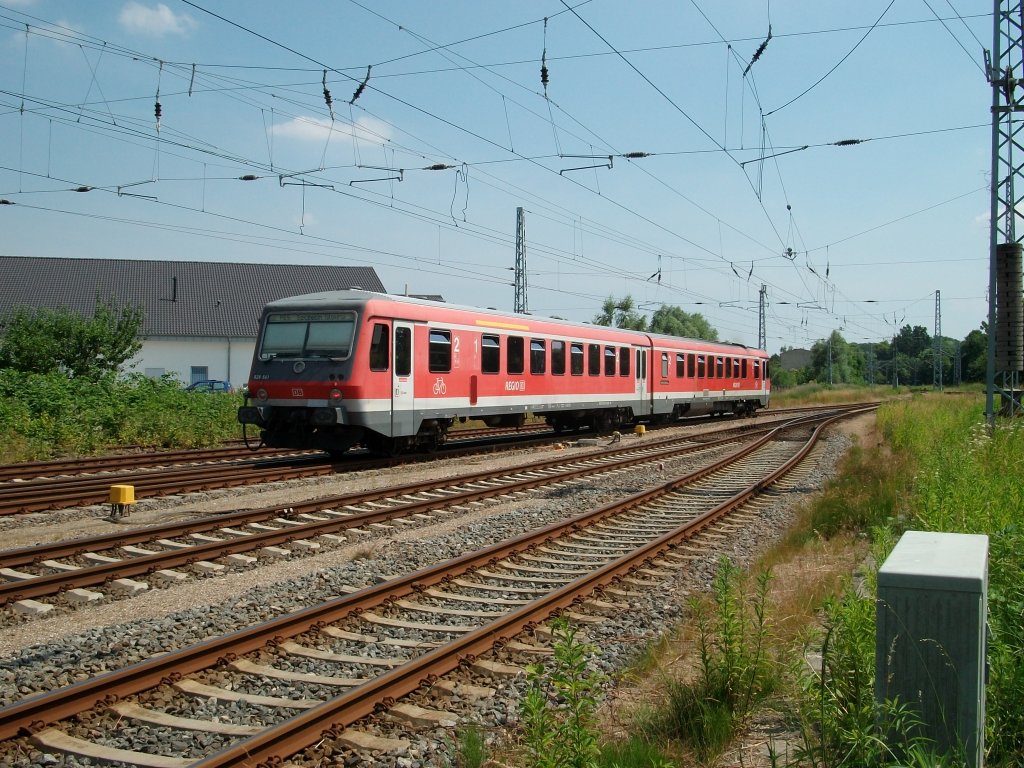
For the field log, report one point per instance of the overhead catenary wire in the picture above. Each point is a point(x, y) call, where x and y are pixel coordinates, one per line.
point(191, 80)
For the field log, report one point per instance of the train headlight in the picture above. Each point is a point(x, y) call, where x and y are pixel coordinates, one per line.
point(334, 394)
point(261, 394)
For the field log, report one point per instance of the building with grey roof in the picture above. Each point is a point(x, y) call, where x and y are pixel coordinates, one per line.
point(201, 318)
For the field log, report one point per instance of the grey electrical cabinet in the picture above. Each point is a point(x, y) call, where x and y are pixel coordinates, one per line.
point(930, 637)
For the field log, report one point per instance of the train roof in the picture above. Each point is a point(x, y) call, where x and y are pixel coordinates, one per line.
point(326, 298)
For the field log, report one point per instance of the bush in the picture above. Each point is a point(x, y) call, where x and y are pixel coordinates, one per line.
point(43, 416)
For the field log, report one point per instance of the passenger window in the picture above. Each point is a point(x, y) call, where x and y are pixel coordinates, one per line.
point(743, 368)
point(702, 370)
point(624, 361)
point(664, 365)
point(757, 369)
point(691, 369)
point(719, 368)
point(490, 354)
point(609, 361)
point(735, 367)
point(594, 359)
point(379, 348)
point(680, 366)
point(440, 360)
point(538, 356)
point(576, 358)
point(516, 355)
point(403, 351)
point(558, 358)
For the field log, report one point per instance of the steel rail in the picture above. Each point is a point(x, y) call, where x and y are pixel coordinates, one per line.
point(291, 736)
point(71, 547)
point(54, 583)
point(33, 714)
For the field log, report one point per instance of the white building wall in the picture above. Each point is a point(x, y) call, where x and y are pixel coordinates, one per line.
point(226, 359)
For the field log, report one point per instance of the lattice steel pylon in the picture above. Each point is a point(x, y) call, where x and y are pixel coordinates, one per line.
point(1004, 64)
point(521, 304)
point(937, 344)
point(762, 330)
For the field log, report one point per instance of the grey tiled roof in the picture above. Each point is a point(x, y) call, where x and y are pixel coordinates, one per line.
point(179, 298)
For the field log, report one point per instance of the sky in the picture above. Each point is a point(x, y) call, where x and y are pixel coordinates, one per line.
point(689, 153)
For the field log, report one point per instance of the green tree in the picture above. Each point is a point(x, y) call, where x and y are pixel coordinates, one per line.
point(834, 354)
point(675, 321)
point(59, 340)
point(974, 355)
point(621, 314)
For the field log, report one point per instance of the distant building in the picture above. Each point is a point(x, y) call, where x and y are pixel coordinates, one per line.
point(795, 359)
point(201, 318)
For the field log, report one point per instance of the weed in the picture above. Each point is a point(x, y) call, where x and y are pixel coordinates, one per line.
point(472, 749)
point(558, 711)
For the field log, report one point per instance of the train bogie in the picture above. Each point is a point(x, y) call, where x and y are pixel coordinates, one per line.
point(339, 369)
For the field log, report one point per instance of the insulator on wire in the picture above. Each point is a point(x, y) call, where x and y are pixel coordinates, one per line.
point(248, 177)
point(438, 167)
point(847, 142)
point(362, 85)
point(636, 155)
point(759, 51)
point(327, 97)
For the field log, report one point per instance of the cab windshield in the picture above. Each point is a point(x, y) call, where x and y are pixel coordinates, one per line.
point(308, 335)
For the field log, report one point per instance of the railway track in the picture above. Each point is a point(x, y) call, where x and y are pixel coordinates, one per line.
point(46, 492)
point(41, 486)
point(122, 462)
point(114, 563)
point(333, 664)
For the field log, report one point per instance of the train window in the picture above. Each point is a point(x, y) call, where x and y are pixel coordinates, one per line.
point(691, 368)
point(516, 355)
point(609, 361)
point(743, 368)
point(440, 360)
point(735, 367)
point(757, 369)
point(379, 348)
point(765, 374)
point(594, 359)
point(403, 351)
point(490, 354)
point(538, 356)
point(624, 361)
point(641, 364)
point(558, 358)
point(664, 365)
point(576, 358)
point(719, 368)
point(680, 365)
point(702, 371)
point(308, 334)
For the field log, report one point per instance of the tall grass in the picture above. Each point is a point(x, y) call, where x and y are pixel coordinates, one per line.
point(969, 481)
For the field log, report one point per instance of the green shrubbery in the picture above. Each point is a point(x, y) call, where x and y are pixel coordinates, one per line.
point(47, 415)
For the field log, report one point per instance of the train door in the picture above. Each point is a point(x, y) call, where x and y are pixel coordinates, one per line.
point(402, 401)
point(642, 387)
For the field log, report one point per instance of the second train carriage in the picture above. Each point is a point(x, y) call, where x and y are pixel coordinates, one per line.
point(335, 369)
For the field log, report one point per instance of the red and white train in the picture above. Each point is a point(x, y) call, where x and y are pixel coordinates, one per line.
point(336, 369)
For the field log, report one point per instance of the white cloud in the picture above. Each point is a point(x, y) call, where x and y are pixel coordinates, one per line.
point(160, 20)
point(366, 130)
